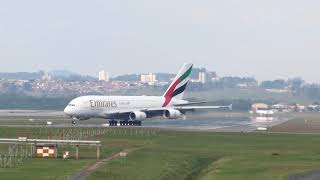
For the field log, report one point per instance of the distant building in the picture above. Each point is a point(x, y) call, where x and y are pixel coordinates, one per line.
point(203, 77)
point(314, 107)
point(213, 76)
point(147, 78)
point(242, 85)
point(206, 77)
point(283, 107)
point(278, 90)
point(104, 76)
point(300, 108)
point(259, 106)
point(47, 77)
point(261, 111)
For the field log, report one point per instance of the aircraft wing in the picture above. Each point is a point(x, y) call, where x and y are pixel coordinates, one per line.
point(151, 112)
point(186, 108)
point(201, 107)
point(192, 103)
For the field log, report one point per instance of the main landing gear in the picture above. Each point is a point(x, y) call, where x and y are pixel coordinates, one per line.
point(125, 123)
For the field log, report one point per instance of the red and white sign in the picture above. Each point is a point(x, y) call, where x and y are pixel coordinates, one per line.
point(46, 151)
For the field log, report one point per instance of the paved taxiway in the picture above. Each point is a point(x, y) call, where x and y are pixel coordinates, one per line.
point(218, 122)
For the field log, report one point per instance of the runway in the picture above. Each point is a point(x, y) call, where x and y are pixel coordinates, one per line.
point(217, 122)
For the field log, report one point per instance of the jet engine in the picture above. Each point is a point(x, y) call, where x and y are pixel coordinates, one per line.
point(137, 115)
point(80, 118)
point(172, 114)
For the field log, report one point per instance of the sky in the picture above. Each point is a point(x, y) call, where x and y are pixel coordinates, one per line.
point(266, 39)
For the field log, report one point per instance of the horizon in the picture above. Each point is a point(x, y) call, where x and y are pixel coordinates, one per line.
point(265, 39)
point(139, 73)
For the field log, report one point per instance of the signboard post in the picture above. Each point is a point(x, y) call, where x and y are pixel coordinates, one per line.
point(123, 156)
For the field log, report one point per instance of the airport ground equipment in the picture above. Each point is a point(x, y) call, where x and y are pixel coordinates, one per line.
point(51, 143)
point(66, 155)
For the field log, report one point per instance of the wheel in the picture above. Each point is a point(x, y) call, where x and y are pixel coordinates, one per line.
point(136, 123)
point(74, 122)
point(111, 123)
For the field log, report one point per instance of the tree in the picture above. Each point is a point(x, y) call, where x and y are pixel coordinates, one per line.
point(276, 84)
point(296, 83)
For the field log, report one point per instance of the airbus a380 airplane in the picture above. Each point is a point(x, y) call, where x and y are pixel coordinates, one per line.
point(130, 110)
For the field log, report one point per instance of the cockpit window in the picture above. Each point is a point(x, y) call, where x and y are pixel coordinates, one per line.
point(73, 105)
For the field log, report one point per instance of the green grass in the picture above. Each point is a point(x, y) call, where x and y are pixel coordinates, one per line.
point(180, 155)
point(57, 169)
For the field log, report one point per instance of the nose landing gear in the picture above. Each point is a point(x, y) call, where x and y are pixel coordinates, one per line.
point(75, 120)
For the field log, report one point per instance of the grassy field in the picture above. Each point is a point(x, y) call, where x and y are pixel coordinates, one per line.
point(177, 155)
point(174, 155)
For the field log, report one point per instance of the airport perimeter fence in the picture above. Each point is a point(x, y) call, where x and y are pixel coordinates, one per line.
point(88, 133)
point(16, 155)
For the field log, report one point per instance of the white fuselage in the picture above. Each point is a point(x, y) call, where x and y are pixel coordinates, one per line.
point(98, 106)
point(131, 110)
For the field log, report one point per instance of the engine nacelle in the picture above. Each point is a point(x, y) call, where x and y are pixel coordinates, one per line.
point(172, 114)
point(80, 118)
point(137, 115)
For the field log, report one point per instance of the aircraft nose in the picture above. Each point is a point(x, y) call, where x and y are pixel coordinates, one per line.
point(67, 110)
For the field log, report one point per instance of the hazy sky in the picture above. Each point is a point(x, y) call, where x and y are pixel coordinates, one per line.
point(267, 39)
